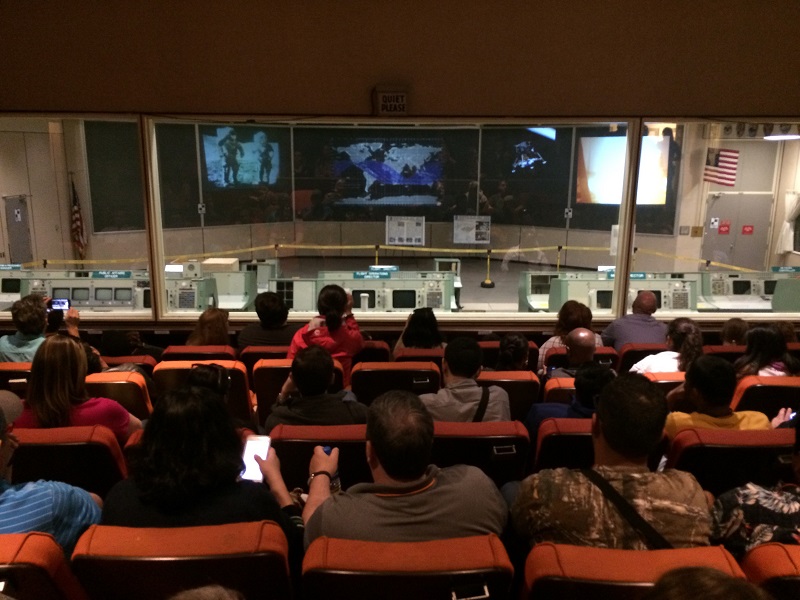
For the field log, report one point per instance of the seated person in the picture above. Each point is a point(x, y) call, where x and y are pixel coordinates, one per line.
point(411, 500)
point(304, 399)
point(571, 315)
point(461, 398)
point(29, 315)
point(766, 355)
point(421, 331)
point(709, 387)
point(733, 332)
point(580, 351)
point(748, 516)
point(705, 583)
point(565, 506)
point(637, 327)
point(513, 353)
point(590, 380)
point(115, 342)
point(51, 507)
point(211, 329)
point(272, 328)
point(57, 393)
point(684, 344)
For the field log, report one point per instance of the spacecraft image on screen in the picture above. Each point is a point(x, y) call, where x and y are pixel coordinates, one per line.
point(526, 157)
point(238, 156)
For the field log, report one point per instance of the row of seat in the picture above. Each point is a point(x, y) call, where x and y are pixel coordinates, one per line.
point(133, 563)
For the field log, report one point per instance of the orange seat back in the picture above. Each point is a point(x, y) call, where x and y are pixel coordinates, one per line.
point(199, 353)
point(559, 389)
point(776, 568)
point(667, 381)
point(126, 387)
point(368, 380)
point(373, 351)
point(522, 388)
point(491, 352)
point(252, 354)
point(729, 353)
point(269, 375)
point(564, 443)
point(767, 394)
point(421, 355)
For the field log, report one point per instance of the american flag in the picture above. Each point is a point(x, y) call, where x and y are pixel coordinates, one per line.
point(78, 234)
point(721, 166)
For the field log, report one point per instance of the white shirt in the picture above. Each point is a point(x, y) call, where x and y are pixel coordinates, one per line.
point(663, 362)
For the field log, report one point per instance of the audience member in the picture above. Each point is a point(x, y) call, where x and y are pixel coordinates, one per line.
point(733, 332)
point(335, 329)
point(566, 506)
point(748, 516)
point(461, 398)
point(684, 345)
point(208, 592)
point(705, 583)
point(580, 345)
point(51, 507)
point(590, 379)
point(513, 354)
point(572, 315)
point(29, 315)
point(57, 393)
point(304, 399)
point(638, 327)
point(272, 328)
point(787, 331)
point(766, 354)
point(709, 387)
point(211, 329)
point(115, 342)
point(410, 499)
point(421, 331)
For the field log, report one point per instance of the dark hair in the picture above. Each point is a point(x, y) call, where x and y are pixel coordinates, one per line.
point(312, 369)
point(765, 345)
point(211, 329)
point(590, 380)
point(271, 310)
point(787, 331)
point(331, 302)
point(422, 330)
point(513, 354)
point(93, 364)
point(3, 425)
point(212, 377)
point(572, 315)
point(464, 356)
point(714, 378)
point(190, 447)
point(734, 331)
point(400, 429)
point(706, 583)
point(208, 592)
point(29, 314)
point(687, 341)
point(632, 411)
point(57, 380)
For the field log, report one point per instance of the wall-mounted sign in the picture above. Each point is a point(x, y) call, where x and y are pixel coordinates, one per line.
point(389, 102)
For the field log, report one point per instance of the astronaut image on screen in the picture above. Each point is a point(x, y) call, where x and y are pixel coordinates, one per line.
point(526, 157)
point(229, 150)
point(239, 156)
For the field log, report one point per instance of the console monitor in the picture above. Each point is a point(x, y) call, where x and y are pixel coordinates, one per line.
point(404, 299)
point(103, 294)
point(769, 287)
point(60, 292)
point(604, 298)
point(10, 286)
point(123, 294)
point(741, 287)
point(80, 294)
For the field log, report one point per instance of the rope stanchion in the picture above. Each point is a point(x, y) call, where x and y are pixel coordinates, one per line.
point(488, 283)
point(558, 259)
point(377, 249)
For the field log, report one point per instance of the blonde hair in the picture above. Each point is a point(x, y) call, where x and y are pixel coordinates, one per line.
point(57, 381)
point(211, 329)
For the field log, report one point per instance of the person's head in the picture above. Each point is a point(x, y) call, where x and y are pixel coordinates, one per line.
point(764, 346)
point(422, 330)
point(462, 357)
point(271, 310)
point(189, 447)
point(399, 435)
point(590, 379)
point(513, 354)
point(331, 304)
point(630, 417)
point(29, 315)
point(685, 338)
point(713, 379)
point(57, 380)
point(734, 331)
point(572, 315)
point(312, 370)
point(212, 377)
point(787, 331)
point(706, 583)
point(93, 363)
point(208, 592)
point(580, 344)
point(211, 329)
point(645, 303)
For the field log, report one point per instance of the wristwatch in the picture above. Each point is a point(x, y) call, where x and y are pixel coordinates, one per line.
point(315, 474)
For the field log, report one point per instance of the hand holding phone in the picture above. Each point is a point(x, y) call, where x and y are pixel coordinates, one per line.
point(255, 445)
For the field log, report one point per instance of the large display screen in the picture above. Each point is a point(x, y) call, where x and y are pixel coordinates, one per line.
point(242, 155)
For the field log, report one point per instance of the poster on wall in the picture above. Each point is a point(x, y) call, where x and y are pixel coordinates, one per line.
point(472, 230)
point(405, 231)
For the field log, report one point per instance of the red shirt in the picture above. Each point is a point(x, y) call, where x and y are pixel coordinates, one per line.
point(343, 344)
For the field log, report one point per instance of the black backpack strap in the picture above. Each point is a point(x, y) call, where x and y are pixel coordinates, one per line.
point(482, 406)
point(651, 537)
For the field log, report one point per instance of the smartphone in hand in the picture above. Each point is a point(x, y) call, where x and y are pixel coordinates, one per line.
point(255, 445)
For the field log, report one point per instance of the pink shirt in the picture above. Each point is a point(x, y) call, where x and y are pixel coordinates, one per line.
point(95, 411)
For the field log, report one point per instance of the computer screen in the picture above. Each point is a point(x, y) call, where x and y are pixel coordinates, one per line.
point(604, 298)
point(404, 298)
point(769, 287)
point(103, 294)
point(80, 294)
point(357, 298)
point(10, 286)
point(60, 292)
point(123, 294)
point(741, 287)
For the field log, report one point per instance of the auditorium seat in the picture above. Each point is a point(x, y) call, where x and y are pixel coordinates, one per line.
point(667, 381)
point(727, 352)
point(199, 353)
point(14, 370)
point(491, 350)
point(86, 457)
point(145, 361)
point(557, 357)
point(722, 460)
point(269, 375)
point(252, 354)
point(564, 443)
point(33, 567)
point(420, 355)
point(794, 349)
point(558, 571)
point(522, 388)
point(132, 563)
point(173, 374)
point(767, 394)
point(368, 380)
point(468, 567)
point(499, 448)
point(294, 445)
point(630, 354)
point(373, 351)
point(126, 387)
point(776, 568)
point(559, 389)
